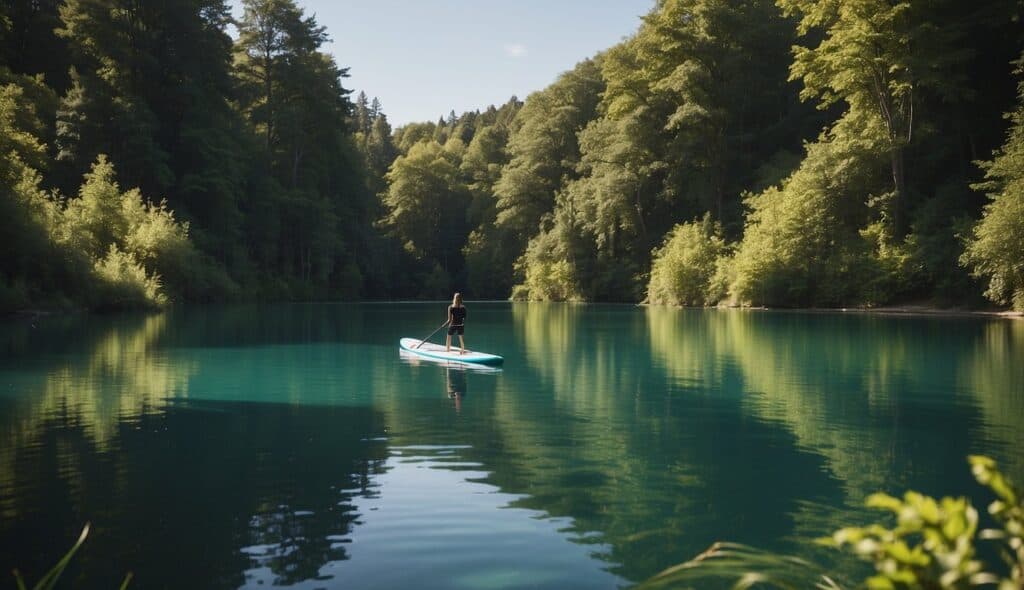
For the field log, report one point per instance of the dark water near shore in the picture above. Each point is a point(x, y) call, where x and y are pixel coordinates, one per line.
point(291, 445)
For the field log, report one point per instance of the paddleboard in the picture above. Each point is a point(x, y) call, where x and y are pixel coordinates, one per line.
point(436, 351)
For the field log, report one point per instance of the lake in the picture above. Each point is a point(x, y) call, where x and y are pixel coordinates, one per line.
point(292, 445)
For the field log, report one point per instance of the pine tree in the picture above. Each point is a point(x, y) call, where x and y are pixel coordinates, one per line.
point(363, 114)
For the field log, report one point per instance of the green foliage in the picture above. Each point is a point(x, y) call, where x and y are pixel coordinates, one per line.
point(426, 202)
point(933, 542)
point(1008, 510)
point(162, 244)
point(995, 249)
point(95, 220)
point(122, 282)
point(684, 268)
point(684, 80)
point(270, 177)
point(411, 134)
point(543, 148)
point(675, 136)
point(155, 237)
point(380, 151)
point(928, 260)
point(488, 252)
point(437, 284)
point(490, 249)
point(26, 212)
point(132, 243)
point(802, 245)
point(111, 247)
point(879, 57)
point(946, 529)
point(314, 205)
point(932, 546)
point(547, 273)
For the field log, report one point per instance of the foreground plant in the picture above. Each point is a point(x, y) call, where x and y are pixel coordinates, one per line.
point(49, 581)
point(932, 546)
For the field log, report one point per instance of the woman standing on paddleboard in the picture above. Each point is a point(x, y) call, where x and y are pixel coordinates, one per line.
point(456, 323)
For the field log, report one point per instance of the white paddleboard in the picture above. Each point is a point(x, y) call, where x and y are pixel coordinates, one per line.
point(436, 351)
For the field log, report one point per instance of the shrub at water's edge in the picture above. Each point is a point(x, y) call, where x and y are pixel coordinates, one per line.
point(114, 250)
point(685, 267)
point(933, 545)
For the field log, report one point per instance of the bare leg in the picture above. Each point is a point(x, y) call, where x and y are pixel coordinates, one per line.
point(448, 343)
point(462, 345)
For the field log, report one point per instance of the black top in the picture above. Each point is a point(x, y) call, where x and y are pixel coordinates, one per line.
point(458, 315)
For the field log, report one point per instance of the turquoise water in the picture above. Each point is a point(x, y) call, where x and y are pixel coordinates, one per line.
point(292, 445)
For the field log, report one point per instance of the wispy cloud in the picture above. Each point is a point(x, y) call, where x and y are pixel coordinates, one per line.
point(515, 50)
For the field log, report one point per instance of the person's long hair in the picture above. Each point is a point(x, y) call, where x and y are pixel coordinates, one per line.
point(457, 300)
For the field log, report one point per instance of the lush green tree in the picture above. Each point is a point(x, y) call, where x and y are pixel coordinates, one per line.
point(543, 148)
point(685, 267)
point(380, 151)
point(547, 267)
point(150, 86)
point(802, 244)
point(482, 163)
point(266, 169)
point(683, 123)
point(490, 250)
point(700, 111)
point(274, 41)
point(292, 94)
point(996, 247)
point(30, 259)
point(141, 254)
point(426, 204)
point(105, 110)
point(363, 118)
point(408, 135)
point(878, 57)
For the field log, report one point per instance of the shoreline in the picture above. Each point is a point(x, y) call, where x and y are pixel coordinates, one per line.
point(900, 311)
point(887, 310)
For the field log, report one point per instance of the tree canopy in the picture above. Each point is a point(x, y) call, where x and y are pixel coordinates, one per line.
point(764, 152)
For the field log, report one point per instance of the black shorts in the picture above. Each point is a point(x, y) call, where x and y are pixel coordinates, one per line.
point(452, 330)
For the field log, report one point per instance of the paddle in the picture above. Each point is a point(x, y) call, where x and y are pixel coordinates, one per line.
point(431, 334)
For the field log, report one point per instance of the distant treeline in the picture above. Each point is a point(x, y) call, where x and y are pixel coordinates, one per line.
point(784, 153)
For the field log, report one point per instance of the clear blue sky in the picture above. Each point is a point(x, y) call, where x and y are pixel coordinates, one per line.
point(423, 58)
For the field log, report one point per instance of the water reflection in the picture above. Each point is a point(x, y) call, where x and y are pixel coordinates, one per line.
point(654, 467)
point(875, 397)
point(188, 488)
point(456, 381)
point(436, 523)
point(994, 375)
point(216, 447)
point(122, 377)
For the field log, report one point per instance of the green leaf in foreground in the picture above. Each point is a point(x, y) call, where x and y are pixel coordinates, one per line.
point(932, 546)
point(49, 581)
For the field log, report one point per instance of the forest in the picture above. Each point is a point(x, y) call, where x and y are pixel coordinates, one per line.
point(783, 153)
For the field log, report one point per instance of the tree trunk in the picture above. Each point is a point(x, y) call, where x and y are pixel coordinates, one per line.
point(640, 214)
point(899, 186)
point(296, 158)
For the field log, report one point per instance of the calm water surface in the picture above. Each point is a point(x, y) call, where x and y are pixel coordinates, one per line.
point(244, 447)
